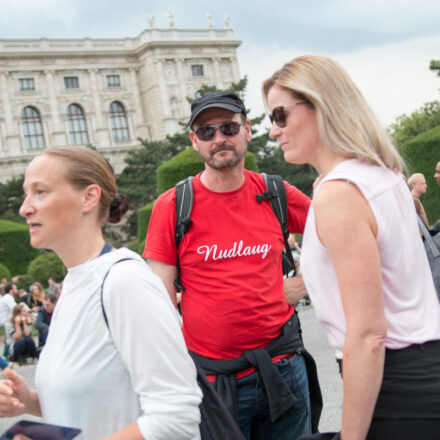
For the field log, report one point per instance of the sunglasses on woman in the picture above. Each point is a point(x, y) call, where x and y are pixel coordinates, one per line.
point(279, 114)
point(228, 129)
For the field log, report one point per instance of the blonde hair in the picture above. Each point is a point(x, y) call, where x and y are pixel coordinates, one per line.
point(347, 125)
point(414, 178)
point(86, 167)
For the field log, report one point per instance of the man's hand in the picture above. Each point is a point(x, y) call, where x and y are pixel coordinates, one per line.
point(294, 289)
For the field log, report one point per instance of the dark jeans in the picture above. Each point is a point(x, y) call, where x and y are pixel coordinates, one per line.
point(24, 346)
point(253, 412)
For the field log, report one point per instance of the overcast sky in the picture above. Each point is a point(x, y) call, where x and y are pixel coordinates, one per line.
point(385, 45)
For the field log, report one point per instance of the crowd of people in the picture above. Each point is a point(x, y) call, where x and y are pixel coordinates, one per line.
point(120, 363)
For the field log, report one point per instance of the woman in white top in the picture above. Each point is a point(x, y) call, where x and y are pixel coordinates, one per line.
point(363, 260)
point(115, 364)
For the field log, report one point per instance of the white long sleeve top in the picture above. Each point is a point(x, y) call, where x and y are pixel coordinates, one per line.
point(99, 380)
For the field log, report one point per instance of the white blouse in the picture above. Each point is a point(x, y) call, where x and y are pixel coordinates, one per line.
point(99, 380)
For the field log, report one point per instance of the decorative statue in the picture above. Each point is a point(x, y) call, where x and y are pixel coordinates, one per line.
point(170, 20)
point(209, 20)
point(226, 20)
point(151, 20)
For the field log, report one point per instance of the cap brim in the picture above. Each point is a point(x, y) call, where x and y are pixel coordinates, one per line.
point(231, 107)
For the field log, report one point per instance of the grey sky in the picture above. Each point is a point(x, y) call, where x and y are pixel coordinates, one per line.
point(385, 46)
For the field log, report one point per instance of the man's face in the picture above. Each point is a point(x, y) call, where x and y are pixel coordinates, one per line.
point(437, 173)
point(221, 152)
point(420, 185)
point(48, 306)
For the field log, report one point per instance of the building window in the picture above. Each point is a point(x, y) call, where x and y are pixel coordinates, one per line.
point(25, 84)
point(71, 82)
point(118, 122)
point(76, 124)
point(113, 81)
point(32, 128)
point(197, 69)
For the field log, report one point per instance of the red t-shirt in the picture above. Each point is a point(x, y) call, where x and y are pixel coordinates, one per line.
point(230, 262)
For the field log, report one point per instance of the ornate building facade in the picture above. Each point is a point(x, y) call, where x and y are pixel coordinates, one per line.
point(105, 92)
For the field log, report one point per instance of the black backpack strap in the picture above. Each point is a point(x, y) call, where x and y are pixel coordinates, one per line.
point(276, 195)
point(102, 288)
point(184, 204)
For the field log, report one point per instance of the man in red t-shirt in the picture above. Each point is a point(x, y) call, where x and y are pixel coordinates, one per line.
point(234, 302)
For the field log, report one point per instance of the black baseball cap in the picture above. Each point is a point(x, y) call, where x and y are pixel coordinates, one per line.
point(227, 100)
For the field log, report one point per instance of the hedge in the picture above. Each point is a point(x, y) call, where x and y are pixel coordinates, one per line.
point(16, 251)
point(188, 163)
point(421, 155)
point(45, 266)
point(4, 272)
point(143, 219)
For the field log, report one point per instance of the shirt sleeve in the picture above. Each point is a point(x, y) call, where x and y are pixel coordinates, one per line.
point(298, 205)
point(159, 243)
point(146, 331)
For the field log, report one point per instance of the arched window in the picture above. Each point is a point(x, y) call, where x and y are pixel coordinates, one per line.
point(76, 124)
point(118, 122)
point(32, 128)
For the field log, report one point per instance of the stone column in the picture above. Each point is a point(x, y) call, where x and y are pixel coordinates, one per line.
point(9, 121)
point(217, 74)
point(184, 105)
point(139, 116)
point(60, 137)
point(12, 139)
point(101, 130)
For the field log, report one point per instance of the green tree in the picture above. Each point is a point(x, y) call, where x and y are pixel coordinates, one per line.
point(11, 196)
point(45, 266)
point(408, 127)
point(435, 66)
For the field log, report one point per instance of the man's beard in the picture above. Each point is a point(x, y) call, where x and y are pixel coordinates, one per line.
point(221, 163)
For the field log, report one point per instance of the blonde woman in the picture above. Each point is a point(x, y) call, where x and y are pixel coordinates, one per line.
point(115, 363)
point(363, 261)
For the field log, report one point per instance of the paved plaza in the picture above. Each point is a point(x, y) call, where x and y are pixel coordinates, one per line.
point(316, 343)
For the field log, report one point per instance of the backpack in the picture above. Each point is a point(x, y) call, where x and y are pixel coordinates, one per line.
point(275, 194)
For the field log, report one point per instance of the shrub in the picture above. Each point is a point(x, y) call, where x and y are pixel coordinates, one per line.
point(24, 282)
point(4, 272)
point(143, 220)
point(421, 155)
point(45, 266)
point(16, 251)
point(188, 163)
point(133, 245)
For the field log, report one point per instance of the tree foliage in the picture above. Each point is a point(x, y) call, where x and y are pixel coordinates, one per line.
point(11, 197)
point(435, 66)
point(47, 265)
point(408, 127)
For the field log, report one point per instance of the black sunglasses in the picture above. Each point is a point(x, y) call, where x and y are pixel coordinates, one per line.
point(279, 115)
point(228, 129)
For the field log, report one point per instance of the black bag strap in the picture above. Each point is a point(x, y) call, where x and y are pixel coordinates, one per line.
point(276, 195)
point(102, 288)
point(184, 204)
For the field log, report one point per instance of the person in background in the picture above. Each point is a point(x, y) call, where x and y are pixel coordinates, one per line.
point(7, 302)
point(363, 261)
point(417, 185)
point(44, 317)
point(24, 297)
point(52, 286)
point(37, 297)
point(114, 365)
point(19, 334)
